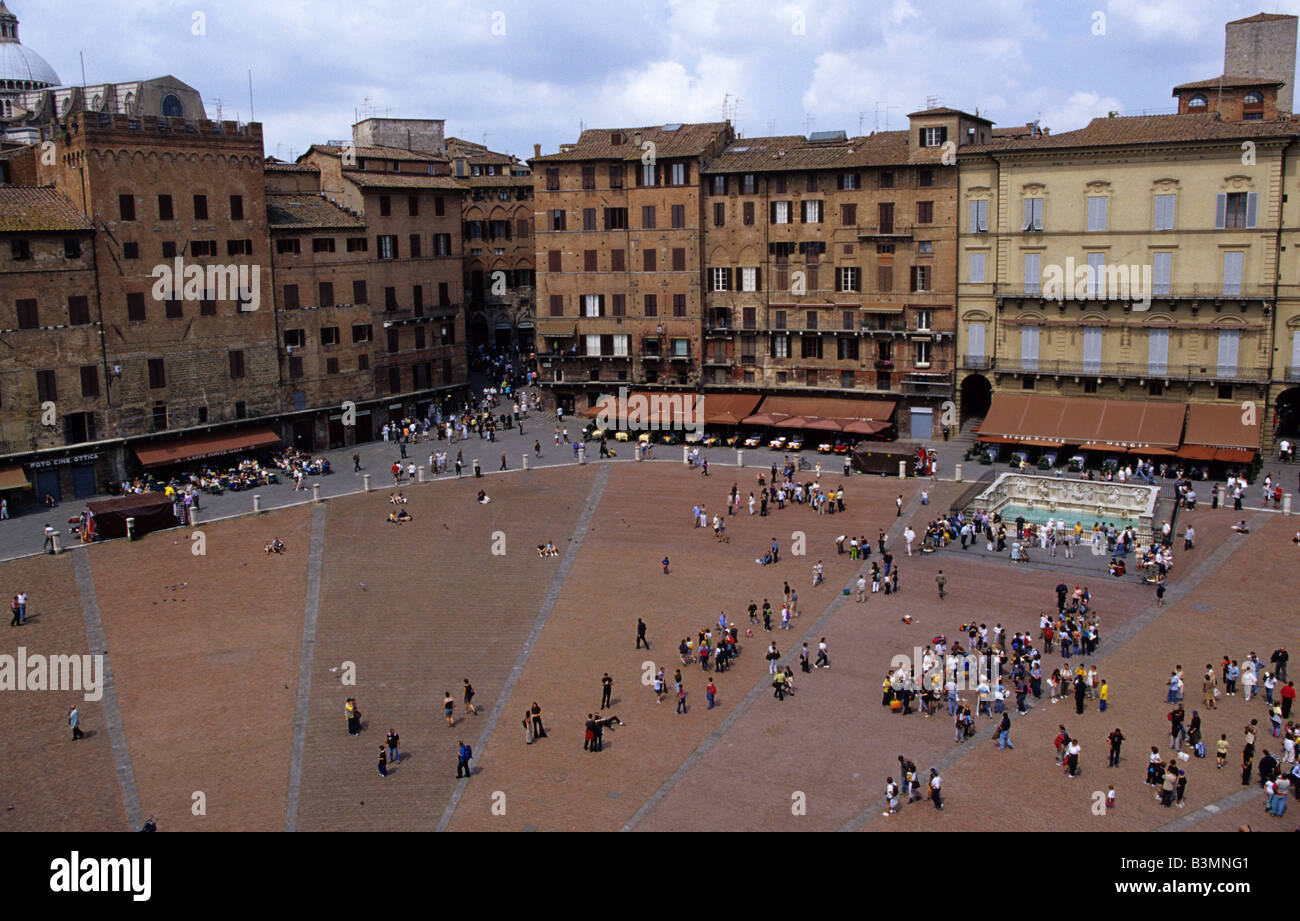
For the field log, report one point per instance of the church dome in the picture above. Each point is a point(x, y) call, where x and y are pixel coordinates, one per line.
point(21, 68)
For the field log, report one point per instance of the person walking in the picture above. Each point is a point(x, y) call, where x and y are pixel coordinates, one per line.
point(606, 689)
point(383, 762)
point(822, 660)
point(463, 755)
point(942, 581)
point(710, 692)
point(74, 720)
point(862, 588)
point(469, 698)
point(899, 503)
point(936, 787)
point(394, 755)
point(640, 634)
point(1004, 733)
point(448, 709)
point(1116, 740)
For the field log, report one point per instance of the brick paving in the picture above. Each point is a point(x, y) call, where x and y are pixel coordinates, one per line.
point(208, 703)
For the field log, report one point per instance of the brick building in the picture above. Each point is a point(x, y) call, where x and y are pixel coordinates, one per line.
point(620, 257)
point(500, 271)
point(830, 266)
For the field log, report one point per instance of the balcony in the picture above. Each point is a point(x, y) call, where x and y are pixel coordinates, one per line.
point(1292, 374)
point(887, 233)
point(889, 326)
point(975, 363)
point(1211, 373)
point(719, 323)
point(1197, 296)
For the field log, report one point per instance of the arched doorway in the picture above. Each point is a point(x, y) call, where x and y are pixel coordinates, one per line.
point(1288, 413)
point(976, 397)
point(478, 331)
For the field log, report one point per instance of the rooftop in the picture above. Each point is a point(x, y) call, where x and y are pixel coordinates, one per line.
point(304, 211)
point(38, 210)
point(669, 140)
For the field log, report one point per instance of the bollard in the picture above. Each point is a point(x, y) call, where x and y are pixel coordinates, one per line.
point(257, 503)
point(419, 474)
point(365, 482)
point(957, 474)
point(636, 451)
point(58, 538)
point(582, 453)
point(740, 458)
point(902, 470)
point(1286, 504)
point(525, 457)
point(130, 533)
point(194, 517)
point(478, 471)
point(315, 492)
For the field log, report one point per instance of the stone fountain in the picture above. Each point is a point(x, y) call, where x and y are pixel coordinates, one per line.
point(1073, 500)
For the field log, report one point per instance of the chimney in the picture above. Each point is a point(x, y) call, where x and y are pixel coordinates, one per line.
point(537, 151)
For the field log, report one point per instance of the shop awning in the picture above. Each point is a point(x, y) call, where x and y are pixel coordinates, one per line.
point(199, 447)
point(825, 425)
point(729, 408)
point(1114, 425)
point(864, 427)
point(1234, 455)
point(1220, 426)
point(1105, 449)
point(792, 422)
point(13, 478)
point(765, 419)
point(644, 410)
point(830, 408)
point(1197, 452)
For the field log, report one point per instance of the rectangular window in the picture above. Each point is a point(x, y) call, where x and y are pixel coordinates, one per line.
point(239, 247)
point(1097, 275)
point(885, 213)
point(617, 261)
point(651, 305)
point(921, 356)
point(719, 211)
point(131, 250)
point(679, 305)
point(387, 246)
point(925, 212)
point(288, 246)
point(28, 314)
point(329, 335)
point(442, 243)
point(934, 137)
point(359, 295)
point(720, 185)
point(1097, 212)
point(1235, 210)
point(291, 297)
point(558, 220)
point(589, 177)
point(169, 249)
point(294, 338)
point(157, 374)
point(1164, 216)
point(923, 318)
point(414, 242)
point(925, 177)
point(749, 279)
point(390, 298)
point(552, 179)
point(322, 244)
point(557, 305)
point(1092, 349)
point(78, 310)
point(884, 277)
point(172, 309)
point(1228, 342)
point(126, 207)
point(616, 219)
point(394, 341)
point(358, 245)
point(588, 218)
point(444, 294)
point(165, 208)
point(618, 305)
point(236, 364)
point(810, 347)
point(975, 345)
point(89, 381)
point(812, 211)
point(200, 207)
point(647, 217)
point(678, 173)
point(46, 390)
point(847, 279)
point(419, 337)
point(648, 258)
point(977, 261)
point(135, 310)
point(71, 248)
point(361, 332)
point(679, 217)
point(1029, 348)
point(553, 260)
point(589, 260)
point(1033, 273)
point(593, 305)
point(295, 367)
point(780, 346)
point(1033, 214)
point(979, 217)
point(1232, 262)
point(920, 278)
point(780, 212)
point(848, 215)
point(1161, 272)
point(810, 319)
point(236, 207)
point(679, 259)
point(1157, 351)
point(616, 175)
point(747, 213)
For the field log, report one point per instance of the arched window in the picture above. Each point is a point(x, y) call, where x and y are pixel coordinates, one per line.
point(1197, 102)
point(129, 104)
point(171, 107)
point(1254, 98)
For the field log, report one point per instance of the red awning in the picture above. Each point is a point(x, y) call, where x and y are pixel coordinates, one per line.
point(824, 425)
point(793, 422)
point(729, 408)
point(1196, 452)
point(765, 419)
point(1234, 455)
point(995, 440)
point(1108, 449)
point(198, 447)
point(864, 427)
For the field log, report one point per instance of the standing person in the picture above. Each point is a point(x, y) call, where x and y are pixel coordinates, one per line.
point(710, 692)
point(640, 634)
point(463, 755)
point(1116, 740)
point(606, 688)
point(1288, 699)
point(48, 546)
point(1072, 751)
point(862, 587)
point(891, 797)
point(822, 660)
point(899, 503)
point(383, 762)
point(942, 581)
point(448, 709)
point(353, 714)
point(539, 731)
point(665, 565)
point(936, 785)
point(681, 695)
point(469, 698)
point(393, 754)
point(74, 720)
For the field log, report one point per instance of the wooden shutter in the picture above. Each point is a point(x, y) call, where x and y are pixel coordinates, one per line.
point(1220, 210)
point(1252, 201)
point(758, 279)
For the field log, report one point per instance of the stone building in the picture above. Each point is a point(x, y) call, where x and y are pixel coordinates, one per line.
point(620, 257)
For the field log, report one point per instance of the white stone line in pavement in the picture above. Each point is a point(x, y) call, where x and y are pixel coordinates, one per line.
point(112, 714)
point(301, 714)
point(548, 604)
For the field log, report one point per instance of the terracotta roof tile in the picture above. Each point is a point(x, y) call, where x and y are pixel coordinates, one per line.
point(1214, 83)
point(381, 153)
point(366, 180)
point(1145, 129)
point(795, 152)
point(38, 210)
point(303, 211)
point(688, 140)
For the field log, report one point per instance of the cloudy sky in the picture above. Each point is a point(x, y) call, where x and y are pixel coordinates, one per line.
point(534, 71)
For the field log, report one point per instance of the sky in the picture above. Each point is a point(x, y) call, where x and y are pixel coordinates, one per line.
point(537, 71)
